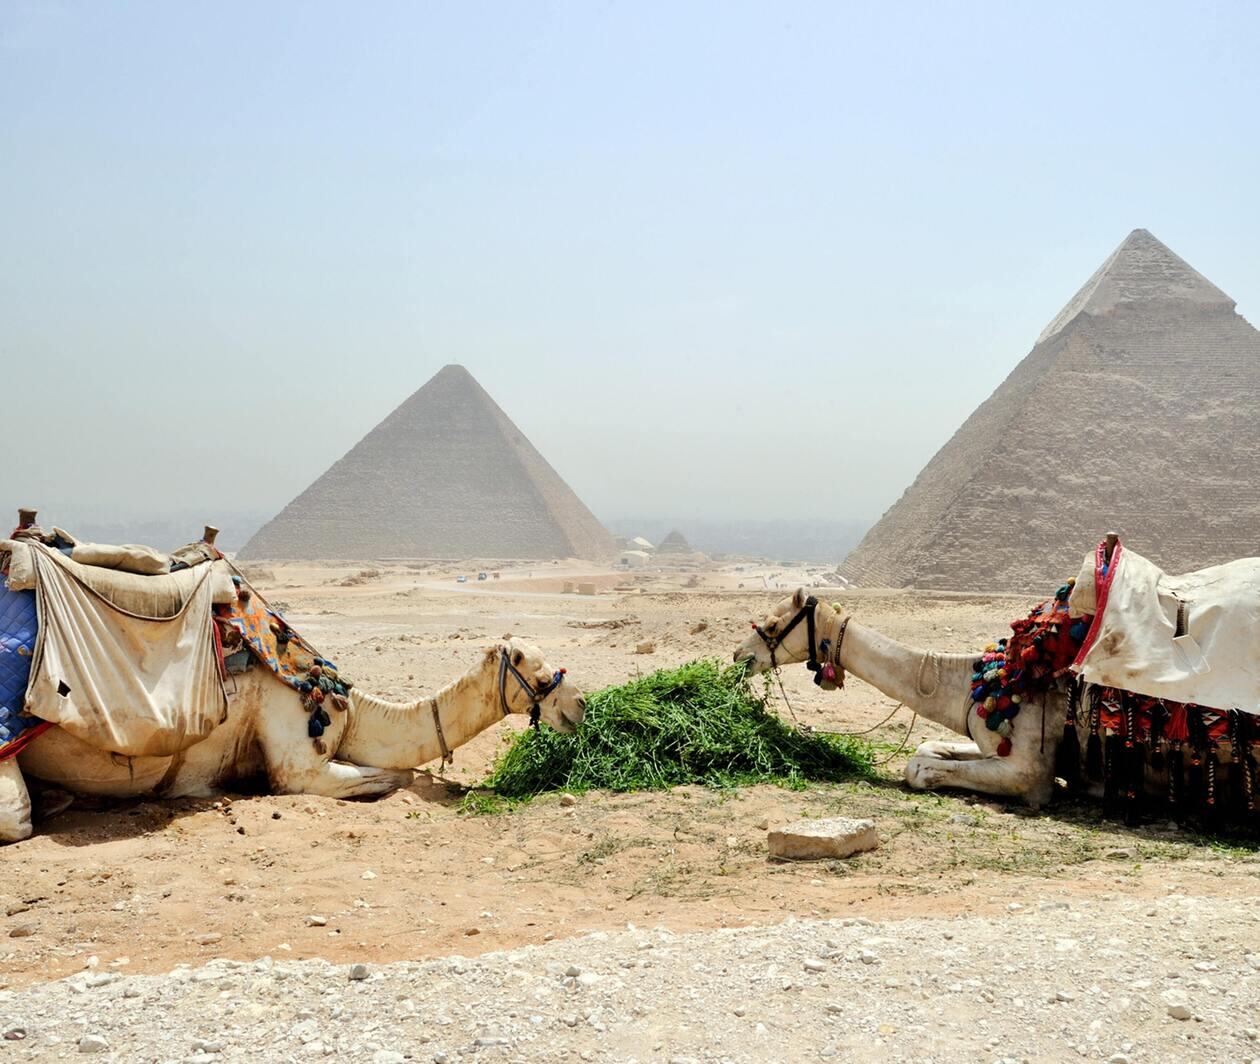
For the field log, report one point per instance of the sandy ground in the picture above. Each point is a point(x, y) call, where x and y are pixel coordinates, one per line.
point(141, 887)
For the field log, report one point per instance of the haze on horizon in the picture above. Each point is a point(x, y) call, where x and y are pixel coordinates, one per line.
point(720, 261)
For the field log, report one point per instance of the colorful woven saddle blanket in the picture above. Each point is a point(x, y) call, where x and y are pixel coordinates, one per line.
point(251, 623)
point(19, 627)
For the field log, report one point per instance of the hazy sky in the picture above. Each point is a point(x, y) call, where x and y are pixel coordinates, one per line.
point(722, 260)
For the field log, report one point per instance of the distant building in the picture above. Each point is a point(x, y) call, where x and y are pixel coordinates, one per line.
point(634, 559)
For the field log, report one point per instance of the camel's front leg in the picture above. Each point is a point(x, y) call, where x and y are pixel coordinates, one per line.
point(949, 751)
point(15, 803)
point(336, 779)
point(1009, 777)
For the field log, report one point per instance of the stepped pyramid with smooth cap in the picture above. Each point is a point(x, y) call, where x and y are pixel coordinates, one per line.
point(446, 475)
point(1137, 411)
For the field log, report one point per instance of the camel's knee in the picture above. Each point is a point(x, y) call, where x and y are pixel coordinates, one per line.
point(15, 803)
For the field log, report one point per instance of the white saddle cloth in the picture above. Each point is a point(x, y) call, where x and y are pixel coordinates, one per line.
point(1134, 644)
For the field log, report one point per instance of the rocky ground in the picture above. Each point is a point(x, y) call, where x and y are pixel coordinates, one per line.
point(1105, 979)
point(977, 931)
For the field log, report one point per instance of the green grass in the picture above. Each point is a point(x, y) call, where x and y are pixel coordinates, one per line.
point(699, 723)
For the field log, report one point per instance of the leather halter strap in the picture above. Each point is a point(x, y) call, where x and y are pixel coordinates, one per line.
point(773, 642)
point(534, 694)
point(448, 758)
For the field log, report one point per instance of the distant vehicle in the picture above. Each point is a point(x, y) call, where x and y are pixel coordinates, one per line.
point(483, 576)
point(461, 579)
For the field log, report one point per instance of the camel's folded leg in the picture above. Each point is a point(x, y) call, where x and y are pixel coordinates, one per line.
point(949, 751)
point(336, 779)
point(1009, 777)
point(15, 803)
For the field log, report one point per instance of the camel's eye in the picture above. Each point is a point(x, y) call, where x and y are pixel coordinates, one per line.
point(517, 657)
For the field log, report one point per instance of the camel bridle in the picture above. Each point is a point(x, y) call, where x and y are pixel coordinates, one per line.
point(820, 655)
point(536, 695)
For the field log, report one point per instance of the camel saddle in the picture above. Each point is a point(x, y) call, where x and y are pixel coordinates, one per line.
point(1192, 639)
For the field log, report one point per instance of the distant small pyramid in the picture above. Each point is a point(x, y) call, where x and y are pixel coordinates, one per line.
point(1134, 412)
point(446, 475)
point(674, 543)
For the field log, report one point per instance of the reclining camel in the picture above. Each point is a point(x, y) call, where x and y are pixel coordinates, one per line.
point(1209, 769)
point(369, 749)
point(933, 684)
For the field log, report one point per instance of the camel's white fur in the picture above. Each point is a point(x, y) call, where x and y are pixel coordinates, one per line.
point(936, 686)
point(371, 748)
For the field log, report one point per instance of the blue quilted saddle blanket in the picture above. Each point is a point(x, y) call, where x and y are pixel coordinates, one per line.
point(19, 624)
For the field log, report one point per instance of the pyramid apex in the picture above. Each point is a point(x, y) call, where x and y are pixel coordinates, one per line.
point(1142, 269)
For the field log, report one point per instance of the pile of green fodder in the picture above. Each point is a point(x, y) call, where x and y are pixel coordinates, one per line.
point(699, 723)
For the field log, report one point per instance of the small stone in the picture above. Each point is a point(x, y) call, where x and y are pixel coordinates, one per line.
point(22, 931)
point(646, 647)
point(202, 1045)
point(567, 801)
point(316, 921)
point(964, 820)
point(368, 874)
point(358, 972)
point(1065, 996)
point(208, 938)
point(1122, 853)
point(812, 965)
point(473, 931)
point(572, 971)
point(821, 838)
point(93, 1043)
point(440, 1058)
point(487, 1041)
point(867, 957)
point(387, 1056)
point(15, 1034)
point(131, 992)
point(1118, 1058)
point(1177, 1005)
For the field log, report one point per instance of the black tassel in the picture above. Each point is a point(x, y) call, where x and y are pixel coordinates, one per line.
point(1176, 777)
point(1093, 746)
point(1239, 776)
point(1067, 755)
point(1159, 717)
point(1067, 758)
point(1112, 750)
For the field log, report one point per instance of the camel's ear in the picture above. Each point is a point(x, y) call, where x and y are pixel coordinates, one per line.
point(798, 600)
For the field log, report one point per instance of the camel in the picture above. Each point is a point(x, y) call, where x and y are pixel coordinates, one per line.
point(938, 687)
point(368, 750)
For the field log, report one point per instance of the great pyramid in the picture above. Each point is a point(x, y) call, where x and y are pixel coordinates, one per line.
point(446, 475)
point(1135, 412)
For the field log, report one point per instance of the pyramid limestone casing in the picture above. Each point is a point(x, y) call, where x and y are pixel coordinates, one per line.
point(446, 475)
point(1138, 411)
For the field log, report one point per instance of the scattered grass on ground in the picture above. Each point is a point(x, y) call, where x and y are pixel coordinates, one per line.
point(699, 723)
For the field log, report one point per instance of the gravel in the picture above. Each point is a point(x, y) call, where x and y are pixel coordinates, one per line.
point(1107, 980)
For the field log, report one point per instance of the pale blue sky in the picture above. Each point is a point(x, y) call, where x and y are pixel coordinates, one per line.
point(716, 260)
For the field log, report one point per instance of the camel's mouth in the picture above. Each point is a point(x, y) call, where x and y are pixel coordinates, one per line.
point(748, 658)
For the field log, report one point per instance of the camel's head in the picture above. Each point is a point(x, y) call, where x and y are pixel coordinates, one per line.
point(524, 675)
point(755, 650)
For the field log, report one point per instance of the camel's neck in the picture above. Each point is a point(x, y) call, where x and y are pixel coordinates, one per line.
point(934, 685)
point(402, 735)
